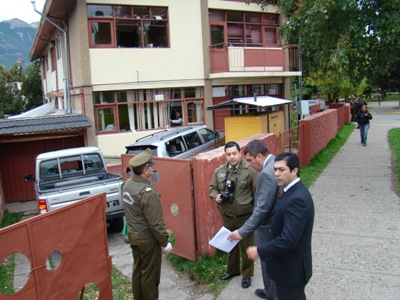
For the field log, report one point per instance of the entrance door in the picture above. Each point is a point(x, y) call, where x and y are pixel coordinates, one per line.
point(218, 49)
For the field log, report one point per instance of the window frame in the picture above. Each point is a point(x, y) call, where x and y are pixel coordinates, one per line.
point(239, 33)
point(141, 102)
point(113, 20)
point(112, 30)
point(53, 59)
point(116, 121)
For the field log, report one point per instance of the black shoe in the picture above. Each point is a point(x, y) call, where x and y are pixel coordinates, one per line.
point(260, 293)
point(246, 282)
point(227, 276)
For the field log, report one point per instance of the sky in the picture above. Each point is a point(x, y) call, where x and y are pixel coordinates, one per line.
point(20, 9)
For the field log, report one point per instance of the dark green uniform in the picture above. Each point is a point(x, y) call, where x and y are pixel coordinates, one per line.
point(147, 234)
point(235, 214)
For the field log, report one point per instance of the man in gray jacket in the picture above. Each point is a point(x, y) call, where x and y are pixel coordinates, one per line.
point(261, 160)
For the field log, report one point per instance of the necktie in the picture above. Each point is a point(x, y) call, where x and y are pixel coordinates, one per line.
point(280, 195)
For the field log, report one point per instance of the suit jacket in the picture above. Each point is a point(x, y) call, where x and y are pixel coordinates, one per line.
point(288, 249)
point(264, 200)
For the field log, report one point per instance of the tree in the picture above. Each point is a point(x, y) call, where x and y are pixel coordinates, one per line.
point(386, 81)
point(32, 86)
point(16, 98)
point(10, 96)
point(359, 37)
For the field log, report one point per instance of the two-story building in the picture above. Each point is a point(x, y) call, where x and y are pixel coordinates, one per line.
point(131, 65)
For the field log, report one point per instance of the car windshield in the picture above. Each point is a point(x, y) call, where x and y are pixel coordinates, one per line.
point(64, 166)
point(207, 134)
point(137, 149)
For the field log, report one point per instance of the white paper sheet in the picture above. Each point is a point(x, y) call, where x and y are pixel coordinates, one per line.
point(221, 242)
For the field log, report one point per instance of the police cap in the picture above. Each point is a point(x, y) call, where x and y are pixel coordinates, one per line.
point(141, 159)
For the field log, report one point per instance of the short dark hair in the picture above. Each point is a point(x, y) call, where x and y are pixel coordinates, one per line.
point(232, 144)
point(139, 170)
point(254, 147)
point(291, 159)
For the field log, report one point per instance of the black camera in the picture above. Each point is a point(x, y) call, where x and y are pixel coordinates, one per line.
point(227, 196)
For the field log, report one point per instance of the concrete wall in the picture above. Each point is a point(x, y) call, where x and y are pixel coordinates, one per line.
point(318, 130)
point(344, 113)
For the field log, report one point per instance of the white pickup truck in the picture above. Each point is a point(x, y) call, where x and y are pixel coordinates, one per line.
point(65, 176)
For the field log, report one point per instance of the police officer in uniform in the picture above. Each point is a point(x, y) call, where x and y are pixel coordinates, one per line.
point(146, 229)
point(232, 187)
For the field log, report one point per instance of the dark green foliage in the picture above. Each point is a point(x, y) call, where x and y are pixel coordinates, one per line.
point(9, 218)
point(394, 143)
point(20, 91)
point(359, 38)
point(32, 86)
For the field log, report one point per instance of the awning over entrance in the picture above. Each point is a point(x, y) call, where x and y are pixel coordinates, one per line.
point(260, 101)
point(253, 105)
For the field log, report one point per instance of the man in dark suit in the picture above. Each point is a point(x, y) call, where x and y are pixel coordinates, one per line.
point(288, 248)
point(261, 160)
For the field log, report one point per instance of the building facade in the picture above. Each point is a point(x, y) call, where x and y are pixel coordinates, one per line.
point(133, 64)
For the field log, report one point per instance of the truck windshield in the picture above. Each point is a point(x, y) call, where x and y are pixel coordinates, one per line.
point(64, 166)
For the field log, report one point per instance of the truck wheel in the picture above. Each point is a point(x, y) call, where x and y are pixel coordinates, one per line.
point(117, 224)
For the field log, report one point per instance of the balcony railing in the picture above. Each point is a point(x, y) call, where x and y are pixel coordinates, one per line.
point(227, 58)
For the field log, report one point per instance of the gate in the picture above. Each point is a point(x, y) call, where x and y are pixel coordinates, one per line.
point(177, 201)
point(18, 159)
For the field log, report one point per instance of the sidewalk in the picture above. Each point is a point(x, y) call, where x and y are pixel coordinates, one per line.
point(356, 238)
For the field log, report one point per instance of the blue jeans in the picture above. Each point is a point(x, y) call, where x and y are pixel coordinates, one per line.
point(364, 133)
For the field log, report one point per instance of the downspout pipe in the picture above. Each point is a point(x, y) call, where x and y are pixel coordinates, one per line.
point(67, 93)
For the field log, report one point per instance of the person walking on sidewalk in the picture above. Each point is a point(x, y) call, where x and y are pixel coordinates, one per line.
point(363, 117)
point(146, 228)
point(288, 248)
point(261, 160)
point(357, 107)
point(232, 187)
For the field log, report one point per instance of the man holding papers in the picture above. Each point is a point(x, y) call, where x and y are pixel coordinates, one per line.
point(232, 187)
point(261, 160)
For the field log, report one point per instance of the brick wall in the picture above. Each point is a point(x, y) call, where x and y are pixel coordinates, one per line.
point(315, 133)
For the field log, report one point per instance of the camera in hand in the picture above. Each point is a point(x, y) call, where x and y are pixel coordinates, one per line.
point(227, 196)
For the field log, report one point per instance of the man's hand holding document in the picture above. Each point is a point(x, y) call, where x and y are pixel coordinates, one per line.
point(221, 242)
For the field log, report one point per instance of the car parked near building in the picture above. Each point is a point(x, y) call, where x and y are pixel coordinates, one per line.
point(66, 176)
point(183, 142)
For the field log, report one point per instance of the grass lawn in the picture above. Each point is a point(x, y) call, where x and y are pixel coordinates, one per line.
point(7, 266)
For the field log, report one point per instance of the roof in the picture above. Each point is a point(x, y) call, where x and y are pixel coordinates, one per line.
point(55, 10)
point(43, 124)
point(261, 101)
point(67, 152)
point(165, 135)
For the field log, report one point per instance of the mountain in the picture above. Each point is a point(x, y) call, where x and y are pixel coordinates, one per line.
point(16, 37)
